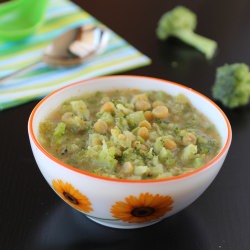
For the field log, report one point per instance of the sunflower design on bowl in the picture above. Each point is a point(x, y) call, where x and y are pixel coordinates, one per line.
point(72, 196)
point(144, 208)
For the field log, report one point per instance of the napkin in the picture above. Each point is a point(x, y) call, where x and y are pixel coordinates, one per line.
point(61, 16)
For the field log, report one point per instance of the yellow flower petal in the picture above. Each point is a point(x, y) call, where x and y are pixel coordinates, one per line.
point(144, 208)
point(72, 196)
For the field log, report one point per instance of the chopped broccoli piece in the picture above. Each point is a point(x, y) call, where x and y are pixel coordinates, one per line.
point(157, 170)
point(121, 123)
point(147, 155)
point(198, 162)
point(102, 156)
point(166, 156)
point(158, 145)
point(106, 116)
point(80, 109)
point(181, 22)
point(132, 156)
point(121, 139)
point(232, 85)
point(189, 152)
point(124, 109)
point(73, 121)
point(135, 118)
point(59, 132)
point(142, 170)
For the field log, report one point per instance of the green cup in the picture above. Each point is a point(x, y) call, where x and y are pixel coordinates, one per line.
point(21, 18)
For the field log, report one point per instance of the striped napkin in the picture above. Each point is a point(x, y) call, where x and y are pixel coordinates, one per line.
point(61, 16)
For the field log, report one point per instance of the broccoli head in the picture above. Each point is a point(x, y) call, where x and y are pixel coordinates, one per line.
point(181, 22)
point(232, 85)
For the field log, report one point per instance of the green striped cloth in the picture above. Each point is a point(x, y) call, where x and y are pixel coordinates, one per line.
point(61, 16)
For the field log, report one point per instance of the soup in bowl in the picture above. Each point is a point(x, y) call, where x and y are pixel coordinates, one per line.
point(128, 151)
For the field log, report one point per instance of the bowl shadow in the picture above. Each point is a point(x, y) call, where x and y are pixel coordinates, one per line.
point(65, 228)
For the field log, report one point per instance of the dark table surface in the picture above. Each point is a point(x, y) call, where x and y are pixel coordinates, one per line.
point(33, 217)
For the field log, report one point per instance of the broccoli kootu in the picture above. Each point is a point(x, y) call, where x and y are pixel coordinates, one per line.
point(130, 134)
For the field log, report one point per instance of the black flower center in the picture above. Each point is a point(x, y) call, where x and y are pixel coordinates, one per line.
point(142, 211)
point(70, 198)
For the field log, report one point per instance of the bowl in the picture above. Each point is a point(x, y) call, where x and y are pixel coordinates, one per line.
point(122, 203)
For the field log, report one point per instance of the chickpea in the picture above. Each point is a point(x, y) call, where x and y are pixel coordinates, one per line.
point(101, 127)
point(134, 144)
point(157, 103)
point(140, 97)
point(72, 120)
point(146, 124)
point(122, 137)
point(169, 144)
point(96, 141)
point(160, 112)
point(108, 107)
point(143, 132)
point(142, 105)
point(127, 168)
point(142, 147)
point(189, 138)
point(138, 145)
point(148, 116)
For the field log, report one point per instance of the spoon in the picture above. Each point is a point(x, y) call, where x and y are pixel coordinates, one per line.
point(70, 49)
point(21, 18)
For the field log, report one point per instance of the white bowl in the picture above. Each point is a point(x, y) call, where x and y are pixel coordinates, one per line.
point(126, 203)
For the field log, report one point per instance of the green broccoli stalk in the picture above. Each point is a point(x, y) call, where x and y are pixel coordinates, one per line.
point(232, 85)
point(181, 22)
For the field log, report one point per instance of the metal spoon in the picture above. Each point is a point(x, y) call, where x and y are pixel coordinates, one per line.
point(72, 48)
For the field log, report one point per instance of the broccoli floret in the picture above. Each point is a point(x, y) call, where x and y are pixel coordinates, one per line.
point(232, 85)
point(181, 22)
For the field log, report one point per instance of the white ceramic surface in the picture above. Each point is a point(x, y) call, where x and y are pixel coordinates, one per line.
point(126, 203)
